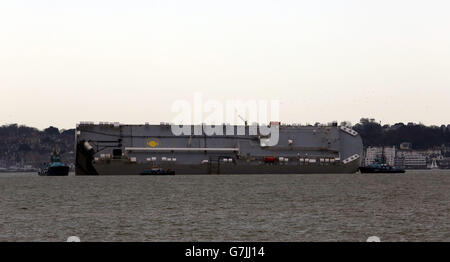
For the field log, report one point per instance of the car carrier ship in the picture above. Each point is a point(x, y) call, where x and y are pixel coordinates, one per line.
point(117, 149)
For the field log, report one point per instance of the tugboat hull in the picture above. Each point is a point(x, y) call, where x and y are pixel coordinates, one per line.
point(369, 170)
point(58, 171)
point(55, 171)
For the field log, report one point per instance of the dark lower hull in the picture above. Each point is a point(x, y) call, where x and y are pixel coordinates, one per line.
point(122, 167)
point(369, 170)
point(56, 171)
point(158, 173)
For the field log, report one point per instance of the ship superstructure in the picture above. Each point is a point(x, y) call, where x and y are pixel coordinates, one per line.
point(116, 149)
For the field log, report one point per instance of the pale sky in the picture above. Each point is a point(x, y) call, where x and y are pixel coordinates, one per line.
point(62, 62)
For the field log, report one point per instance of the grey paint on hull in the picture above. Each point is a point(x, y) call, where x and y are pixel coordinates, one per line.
point(322, 144)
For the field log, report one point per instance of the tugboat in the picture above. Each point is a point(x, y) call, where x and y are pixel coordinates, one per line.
point(380, 168)
point(56, 167)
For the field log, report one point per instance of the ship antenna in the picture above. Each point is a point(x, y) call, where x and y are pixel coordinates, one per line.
point(245, 121)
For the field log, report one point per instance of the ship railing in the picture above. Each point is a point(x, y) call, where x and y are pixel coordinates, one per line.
point(178, 149)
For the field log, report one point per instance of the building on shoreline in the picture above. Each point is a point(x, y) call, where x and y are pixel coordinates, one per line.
point(411, 160)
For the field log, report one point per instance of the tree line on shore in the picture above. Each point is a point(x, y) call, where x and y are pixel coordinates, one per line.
point(422, 137)
point(23, 145)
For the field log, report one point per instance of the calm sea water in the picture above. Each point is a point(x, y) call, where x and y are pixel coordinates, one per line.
point(401, 207)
